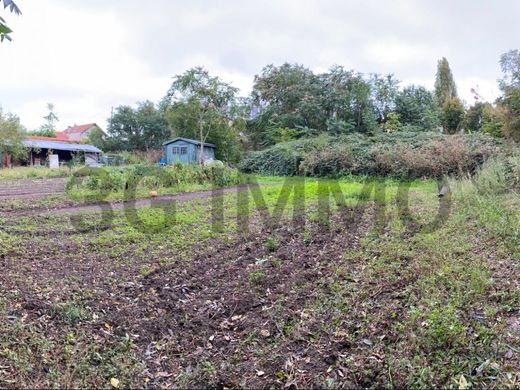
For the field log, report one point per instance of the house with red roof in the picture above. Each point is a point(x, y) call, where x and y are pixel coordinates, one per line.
point(78, 133)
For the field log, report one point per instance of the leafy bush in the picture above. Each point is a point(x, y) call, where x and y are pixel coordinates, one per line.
point(330, 161)
point(399, 154)
point(272, 244)
point(279, 160)
point(450, 155)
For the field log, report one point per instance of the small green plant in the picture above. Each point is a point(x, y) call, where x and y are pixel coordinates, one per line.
point(70, 313)
point(272, 244)
point(443, 328)
point(145, 270)
point(276, 263)
point(256, 278)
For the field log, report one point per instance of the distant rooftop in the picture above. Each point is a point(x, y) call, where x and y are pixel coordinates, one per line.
point(79, 128)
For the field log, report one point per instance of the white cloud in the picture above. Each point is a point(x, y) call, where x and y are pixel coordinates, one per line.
point(87, 56)
point(77, 59)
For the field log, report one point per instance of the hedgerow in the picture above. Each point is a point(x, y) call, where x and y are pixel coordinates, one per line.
point(400, 155)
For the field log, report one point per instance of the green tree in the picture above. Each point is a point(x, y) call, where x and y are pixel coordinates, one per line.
point(445, 87)
point(140, 128)
point(416, 107)
point(510, 99)
point(99, 140)
point(493, 119)
point(452, 115)
point(339, 101)
point(4, 29)
point(287, 96)
point(392, 123)
point(48, 129)
point(12, 135)
point(282, 134)
point(474, 119)
point(203, 107)
point(348, 101)
point(384, 92)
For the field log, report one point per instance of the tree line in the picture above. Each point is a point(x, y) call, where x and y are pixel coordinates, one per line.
point(290, 101)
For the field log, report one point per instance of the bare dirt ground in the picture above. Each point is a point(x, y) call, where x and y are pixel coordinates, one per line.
point(16, 189)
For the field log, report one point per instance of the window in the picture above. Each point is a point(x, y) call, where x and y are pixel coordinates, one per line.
point(184, 150)
point(175, 150)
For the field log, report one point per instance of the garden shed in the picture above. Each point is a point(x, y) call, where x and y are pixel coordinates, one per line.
point(186, 151)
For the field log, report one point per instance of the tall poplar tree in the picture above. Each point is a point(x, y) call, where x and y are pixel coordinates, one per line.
point(445, 87)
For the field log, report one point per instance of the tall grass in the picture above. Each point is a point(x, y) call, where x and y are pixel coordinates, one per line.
point(138, 180)
point(491, 196)
point(33, 173)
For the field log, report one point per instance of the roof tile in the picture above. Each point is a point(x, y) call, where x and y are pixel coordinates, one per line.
point(78, 129)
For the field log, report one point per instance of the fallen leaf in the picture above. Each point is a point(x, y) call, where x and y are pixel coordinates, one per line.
point(265, 333)
point(115, 383)
point(463, 383)
point(163, 374)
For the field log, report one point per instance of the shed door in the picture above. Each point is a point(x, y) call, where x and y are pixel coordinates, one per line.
point(180, 153)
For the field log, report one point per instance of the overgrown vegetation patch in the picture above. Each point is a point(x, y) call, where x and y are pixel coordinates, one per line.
point(399, 155)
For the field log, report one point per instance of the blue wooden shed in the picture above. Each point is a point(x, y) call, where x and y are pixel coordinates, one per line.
point(186, 151)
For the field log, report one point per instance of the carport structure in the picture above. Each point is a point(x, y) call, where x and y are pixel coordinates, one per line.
point(40, 148)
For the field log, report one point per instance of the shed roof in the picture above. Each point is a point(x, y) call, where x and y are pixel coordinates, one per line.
point(191, 141)
point(60, 145)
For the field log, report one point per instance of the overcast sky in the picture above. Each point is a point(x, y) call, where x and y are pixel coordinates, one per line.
point(87, 56)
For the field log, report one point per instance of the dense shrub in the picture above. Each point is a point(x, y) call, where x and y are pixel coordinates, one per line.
point(279, 160)
point(329, 161)
point(401, 155)
point(149, 177)
point(450, 155)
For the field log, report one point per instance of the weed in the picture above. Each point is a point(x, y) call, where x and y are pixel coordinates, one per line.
point(256, 278)
point(70, 313)
point(443, 329)
point(272, 244)
point(145, 270)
